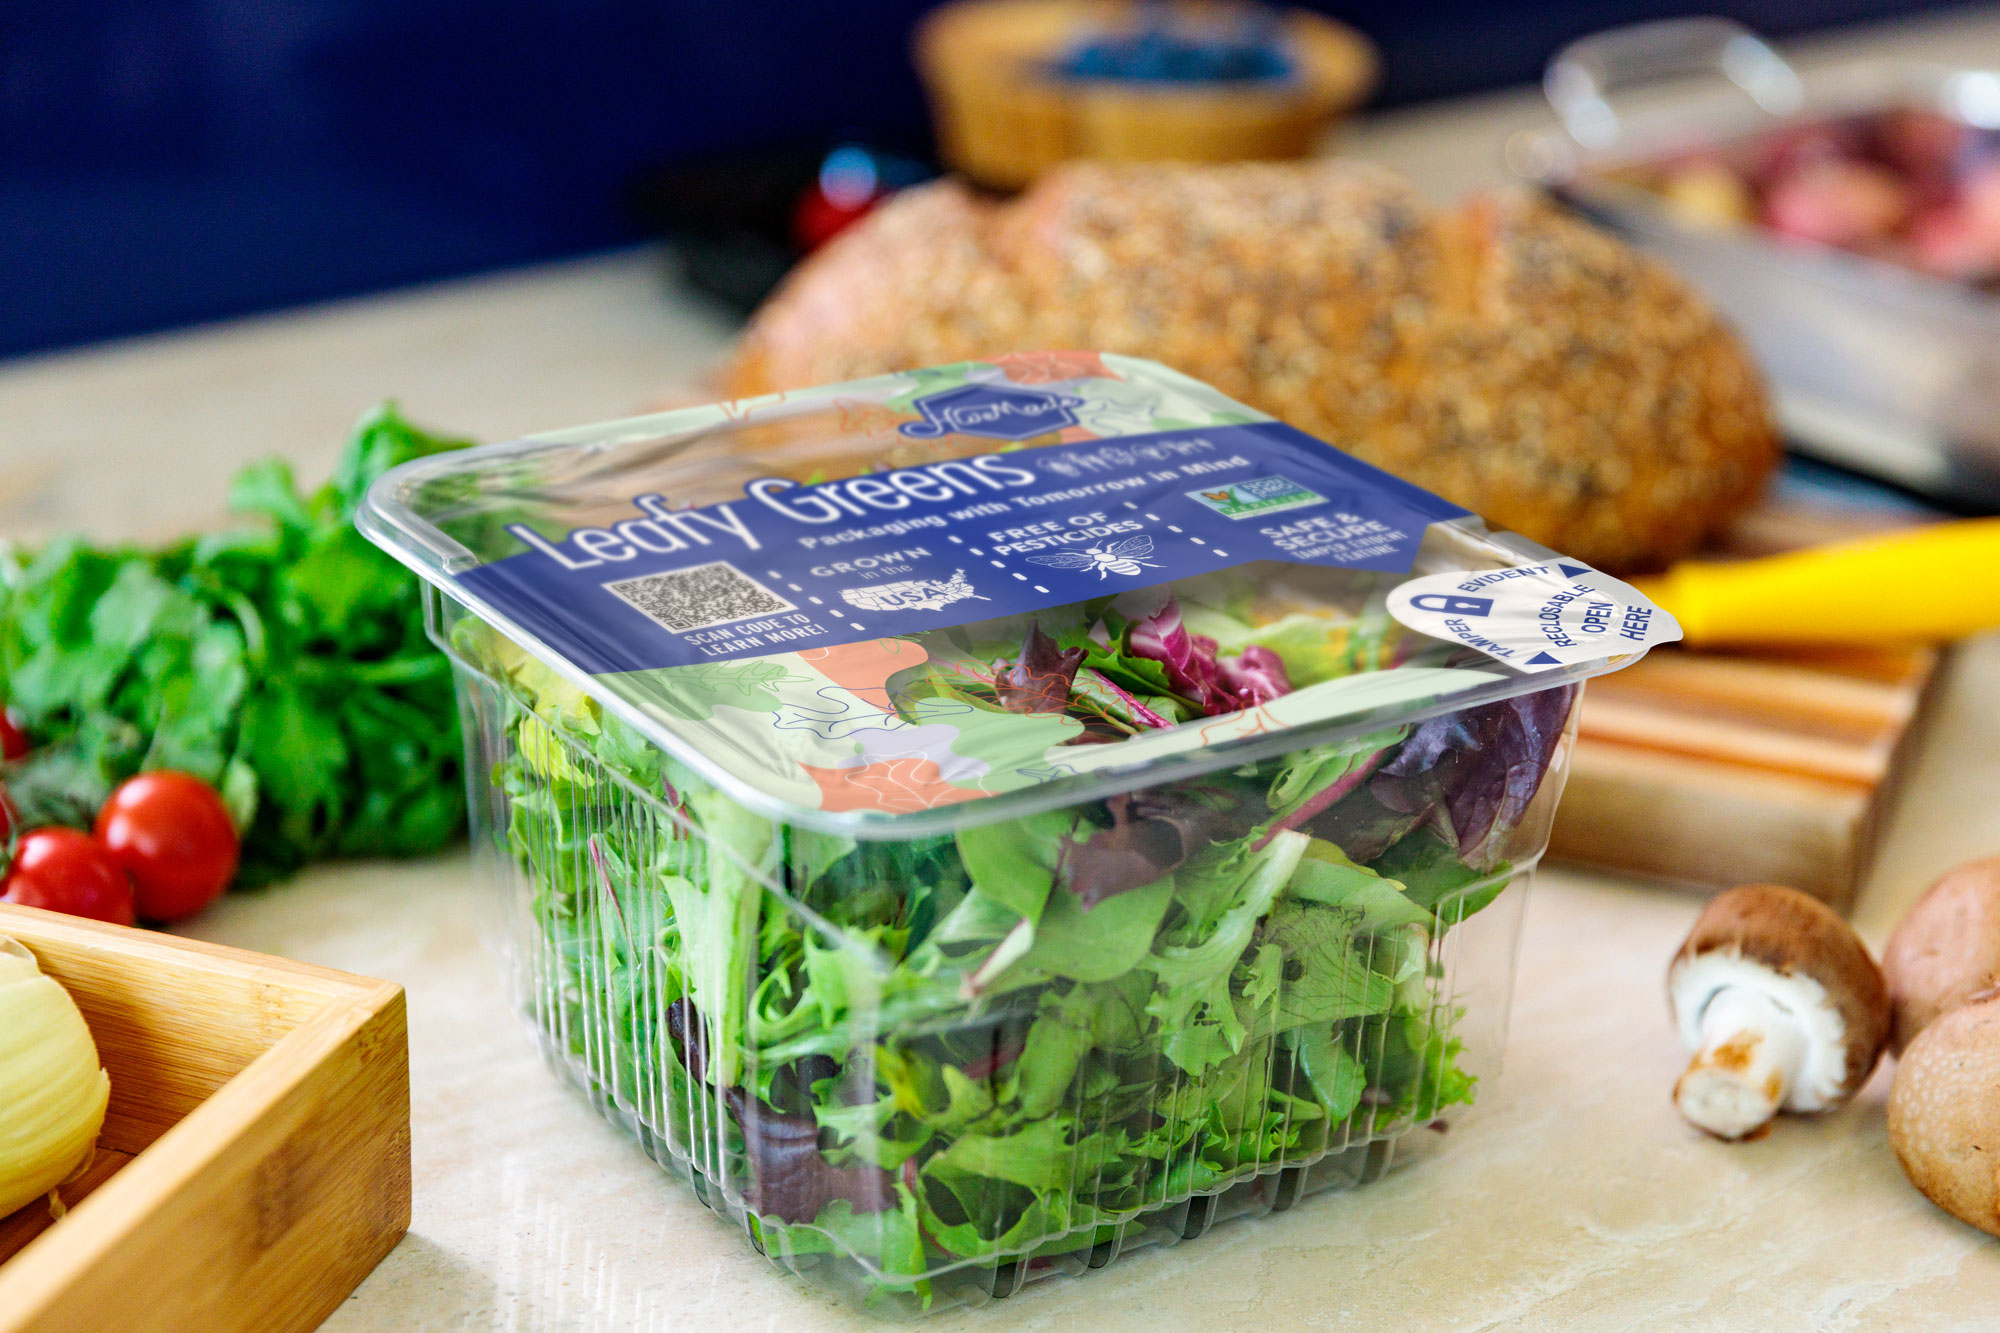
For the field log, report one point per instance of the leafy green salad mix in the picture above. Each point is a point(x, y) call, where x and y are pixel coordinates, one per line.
point(944, 1051)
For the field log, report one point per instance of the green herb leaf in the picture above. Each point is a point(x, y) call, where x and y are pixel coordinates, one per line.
point(286, 663)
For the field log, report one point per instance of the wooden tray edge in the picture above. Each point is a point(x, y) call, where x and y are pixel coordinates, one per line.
point(238, 1176)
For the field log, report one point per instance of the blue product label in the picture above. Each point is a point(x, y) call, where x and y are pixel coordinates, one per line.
point(931, 546)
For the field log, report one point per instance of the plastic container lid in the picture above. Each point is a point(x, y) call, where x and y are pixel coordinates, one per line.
point(904, 605)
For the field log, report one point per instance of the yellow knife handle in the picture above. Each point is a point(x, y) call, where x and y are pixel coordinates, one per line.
point(1941, 581)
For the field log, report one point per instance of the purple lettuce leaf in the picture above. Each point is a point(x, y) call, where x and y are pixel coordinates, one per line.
point(1517, 743)
point(1197, 670)
point(1470, 774)
point(1189, 658)
point(790, 1178)
point(689, 1038)
point(1039, 680)
point(1257, 675)
point(1152, 834)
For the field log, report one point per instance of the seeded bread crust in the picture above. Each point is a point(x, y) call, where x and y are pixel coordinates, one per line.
point(1501, 354)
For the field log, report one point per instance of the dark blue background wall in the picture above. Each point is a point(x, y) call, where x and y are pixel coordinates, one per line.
point(165, 161)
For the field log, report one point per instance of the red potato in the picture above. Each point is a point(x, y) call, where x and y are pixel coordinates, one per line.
point(1945, 242)
point(1910, 186)
point(1980, 195)
point(1798, 147)
point(1922, 144)
point(1838, 203)
point(1960, 238)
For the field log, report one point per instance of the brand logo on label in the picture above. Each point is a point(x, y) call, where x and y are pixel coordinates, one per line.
point(991, 411)
point(1265, 495)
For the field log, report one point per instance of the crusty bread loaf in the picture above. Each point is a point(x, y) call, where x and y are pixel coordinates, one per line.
point(1501, 354)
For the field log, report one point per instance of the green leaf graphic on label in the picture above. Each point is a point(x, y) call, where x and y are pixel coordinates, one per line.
point(695, 692)
point(1007, 742)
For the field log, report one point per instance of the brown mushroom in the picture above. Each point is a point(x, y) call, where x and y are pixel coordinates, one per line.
point(1780, 1003)
point(1944, 1112)
point(1946, 948)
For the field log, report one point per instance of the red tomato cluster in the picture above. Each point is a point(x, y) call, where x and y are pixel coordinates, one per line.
point(164, 847)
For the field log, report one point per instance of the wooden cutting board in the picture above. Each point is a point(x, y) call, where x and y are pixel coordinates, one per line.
point(1715, 768)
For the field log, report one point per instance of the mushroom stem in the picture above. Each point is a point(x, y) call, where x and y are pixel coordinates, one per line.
point(1751, 1050)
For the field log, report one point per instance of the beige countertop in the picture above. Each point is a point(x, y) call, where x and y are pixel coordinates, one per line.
point(1573, 1198)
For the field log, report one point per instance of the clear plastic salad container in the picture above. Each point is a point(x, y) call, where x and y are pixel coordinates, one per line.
point(974, 822)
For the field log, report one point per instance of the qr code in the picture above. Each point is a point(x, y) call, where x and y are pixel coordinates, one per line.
point(697, 598)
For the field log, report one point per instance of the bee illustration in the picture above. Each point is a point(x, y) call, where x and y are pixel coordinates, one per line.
point(1220, 497)
point(1126, 557)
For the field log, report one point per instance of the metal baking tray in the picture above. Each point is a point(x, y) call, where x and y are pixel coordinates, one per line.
point(1874, 366)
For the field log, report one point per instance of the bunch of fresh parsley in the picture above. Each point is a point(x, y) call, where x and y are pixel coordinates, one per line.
point(285, 662)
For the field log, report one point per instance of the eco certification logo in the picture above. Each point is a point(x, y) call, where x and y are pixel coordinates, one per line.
point(1264, 495)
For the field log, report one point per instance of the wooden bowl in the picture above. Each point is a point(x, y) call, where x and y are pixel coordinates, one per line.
point(1004, 115)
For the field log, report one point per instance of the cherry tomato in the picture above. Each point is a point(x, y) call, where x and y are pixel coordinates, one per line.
point(13, 740)
point(172, 834)
point(64, 870)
